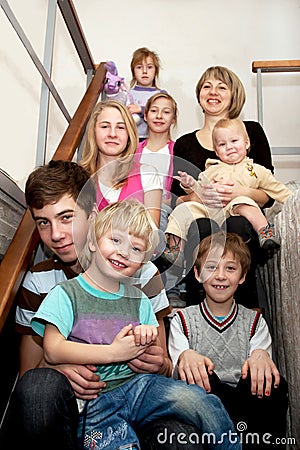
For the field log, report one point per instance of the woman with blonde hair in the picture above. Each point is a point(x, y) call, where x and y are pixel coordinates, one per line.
point(221, 94)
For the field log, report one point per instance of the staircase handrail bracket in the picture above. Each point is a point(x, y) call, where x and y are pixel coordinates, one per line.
point(288, 65)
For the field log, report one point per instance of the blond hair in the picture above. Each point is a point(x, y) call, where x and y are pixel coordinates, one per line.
point(238, 95)
point(128, 215)
point(91, 156)
point(230, 123)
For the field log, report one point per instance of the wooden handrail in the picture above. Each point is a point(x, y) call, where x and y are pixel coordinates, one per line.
point(19, 253)
point(71, 19)
point(76, 128)
point(289, 65)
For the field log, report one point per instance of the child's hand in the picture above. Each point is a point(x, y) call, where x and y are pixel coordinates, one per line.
point(134, 109)
point(194, 368)
point(186, 180)
point(145, 334)
point(123, 347)
point(261, 368)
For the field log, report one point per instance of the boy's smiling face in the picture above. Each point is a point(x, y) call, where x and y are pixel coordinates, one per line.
point(220, 275)
point(118, 256)
point(61, 226)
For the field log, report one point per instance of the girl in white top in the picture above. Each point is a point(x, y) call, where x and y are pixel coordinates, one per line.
point(160, 114)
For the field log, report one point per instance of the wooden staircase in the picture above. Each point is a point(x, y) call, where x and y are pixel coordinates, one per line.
point(20, 253)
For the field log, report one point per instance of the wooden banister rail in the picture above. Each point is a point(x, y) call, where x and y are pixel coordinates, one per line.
point(259, 67)
point(289, 65)
point(71, 19)
point(20, 251)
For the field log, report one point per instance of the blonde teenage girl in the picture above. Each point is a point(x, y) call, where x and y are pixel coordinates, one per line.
point(109, 155)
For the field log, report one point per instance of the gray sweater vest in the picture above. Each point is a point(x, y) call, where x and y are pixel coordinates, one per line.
point(226, 343)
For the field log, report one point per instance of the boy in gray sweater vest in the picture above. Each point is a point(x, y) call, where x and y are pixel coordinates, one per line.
point(226, 348)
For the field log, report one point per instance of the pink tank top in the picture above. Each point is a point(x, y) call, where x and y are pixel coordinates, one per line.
point(133, 188)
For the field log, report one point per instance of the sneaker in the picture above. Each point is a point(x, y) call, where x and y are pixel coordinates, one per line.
point(170, 255)
point(172, 252)
point(267, 238)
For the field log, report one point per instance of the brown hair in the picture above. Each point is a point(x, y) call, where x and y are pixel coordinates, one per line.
point(138, 57)
point(238, 95)
point(231, 242)
point(49, 183)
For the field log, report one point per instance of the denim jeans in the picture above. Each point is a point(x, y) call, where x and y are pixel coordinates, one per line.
point(42, 414)
point(108, 422)
point(165, 211)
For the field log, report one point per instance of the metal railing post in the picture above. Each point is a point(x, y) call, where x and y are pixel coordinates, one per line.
point(259, 97)
point(18, 29)
point(45, 94)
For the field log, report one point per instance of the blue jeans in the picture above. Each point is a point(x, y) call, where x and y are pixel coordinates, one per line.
point(43, 414)
point(165, 211)
point(109, 421)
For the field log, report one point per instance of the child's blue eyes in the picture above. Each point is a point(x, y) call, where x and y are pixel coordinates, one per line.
point(118, 242)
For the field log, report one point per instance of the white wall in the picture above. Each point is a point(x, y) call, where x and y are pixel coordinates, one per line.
point(189, 36)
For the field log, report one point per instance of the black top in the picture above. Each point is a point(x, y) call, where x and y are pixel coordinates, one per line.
point(191, 156)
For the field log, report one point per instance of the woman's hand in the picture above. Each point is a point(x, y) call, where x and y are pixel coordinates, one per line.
point(228, 190)
point(216, 195)
point(220, 192)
